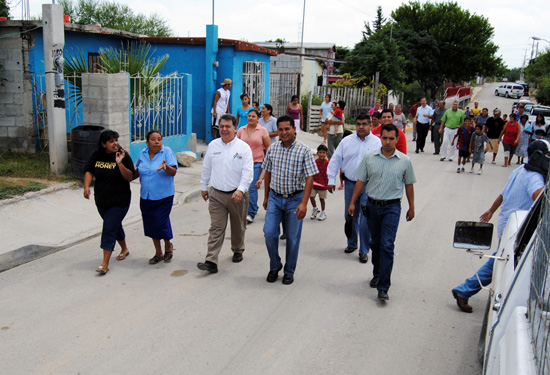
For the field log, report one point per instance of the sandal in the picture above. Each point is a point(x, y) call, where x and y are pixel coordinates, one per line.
point(123, 256)
point(101, 270)
point(156, 259)
point(168, 255)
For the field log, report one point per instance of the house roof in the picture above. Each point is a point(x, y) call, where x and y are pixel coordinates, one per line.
point(238, 44)
point(325, 46)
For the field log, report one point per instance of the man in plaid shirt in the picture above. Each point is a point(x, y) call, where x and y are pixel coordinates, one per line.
point(289, 167)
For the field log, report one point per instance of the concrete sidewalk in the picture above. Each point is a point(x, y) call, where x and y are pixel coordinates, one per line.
point(55, 219)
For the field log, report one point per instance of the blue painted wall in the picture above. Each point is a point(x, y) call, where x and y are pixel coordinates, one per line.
point(183, 58)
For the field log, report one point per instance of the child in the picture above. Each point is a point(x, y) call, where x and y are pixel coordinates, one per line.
point(477, 146)
point(505, 118)
point(467, 112)
point(320, 183)
point(464, 134)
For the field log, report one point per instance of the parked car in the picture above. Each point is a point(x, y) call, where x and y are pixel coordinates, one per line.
point(510, 90)
point(525, 87)
point(526, 103)
point(536, 110)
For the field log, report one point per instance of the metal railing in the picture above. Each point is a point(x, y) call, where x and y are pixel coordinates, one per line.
point(539, 300)
point(156, 103)
point(73, 108)
point(254, 80)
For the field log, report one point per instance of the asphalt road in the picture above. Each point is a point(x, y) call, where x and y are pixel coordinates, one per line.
point(59, 317)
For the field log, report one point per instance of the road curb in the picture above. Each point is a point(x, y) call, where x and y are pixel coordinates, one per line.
point(33, 194)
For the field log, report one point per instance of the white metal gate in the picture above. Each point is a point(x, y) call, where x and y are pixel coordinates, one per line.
point(254, 81)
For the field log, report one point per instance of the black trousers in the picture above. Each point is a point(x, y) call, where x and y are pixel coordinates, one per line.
point(421, 134)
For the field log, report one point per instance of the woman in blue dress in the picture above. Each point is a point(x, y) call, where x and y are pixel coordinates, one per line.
point(242, 112)
point(156, 168)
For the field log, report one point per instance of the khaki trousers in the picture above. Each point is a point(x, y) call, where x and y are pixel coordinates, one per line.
point(220, 206)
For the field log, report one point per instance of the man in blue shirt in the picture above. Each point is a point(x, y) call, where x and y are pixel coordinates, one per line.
point(522, 189)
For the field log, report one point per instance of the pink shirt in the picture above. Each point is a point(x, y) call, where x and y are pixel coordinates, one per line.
point(256, 142)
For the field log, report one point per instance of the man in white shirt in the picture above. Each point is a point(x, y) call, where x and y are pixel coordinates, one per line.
point(347, 157)
point(228, 167)
point(422, 119)
point(220, 105)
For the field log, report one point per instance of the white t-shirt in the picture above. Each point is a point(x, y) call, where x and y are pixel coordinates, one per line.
point(221, 105)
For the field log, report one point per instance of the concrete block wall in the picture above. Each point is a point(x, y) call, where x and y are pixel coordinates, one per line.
point(16, 116)
point(106, 102)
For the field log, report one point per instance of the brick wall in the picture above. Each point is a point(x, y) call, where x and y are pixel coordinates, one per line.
point(16, 118)
point(105, 102)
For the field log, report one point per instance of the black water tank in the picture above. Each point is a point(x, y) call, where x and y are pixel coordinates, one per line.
point(83, 142)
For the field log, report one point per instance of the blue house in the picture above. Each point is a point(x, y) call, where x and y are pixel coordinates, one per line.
point(22, 119)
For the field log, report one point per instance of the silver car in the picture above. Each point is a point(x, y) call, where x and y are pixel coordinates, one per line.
point(510, 90)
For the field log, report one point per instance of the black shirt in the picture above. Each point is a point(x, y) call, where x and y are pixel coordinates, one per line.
point(111, 189)
point(494, 127)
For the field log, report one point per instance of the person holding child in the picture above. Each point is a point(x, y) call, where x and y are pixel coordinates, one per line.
point(320, 182)
point(464, 135)
point(477, 146)
point(335, 124)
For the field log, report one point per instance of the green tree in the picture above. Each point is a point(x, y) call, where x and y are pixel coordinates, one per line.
point(4, 8)
point(377, 24)
point(463, 40)
point(538, 72)
point(115, 16)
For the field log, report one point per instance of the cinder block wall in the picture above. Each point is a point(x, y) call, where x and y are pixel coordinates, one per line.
point(106, 102)
point(16, 119)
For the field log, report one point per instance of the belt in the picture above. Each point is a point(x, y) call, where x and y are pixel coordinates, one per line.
point(287, 195)
point(225, 192)
point(383, 203)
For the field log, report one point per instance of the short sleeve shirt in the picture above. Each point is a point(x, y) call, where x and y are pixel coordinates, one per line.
point(256, 141)
point(326, 110)
point(110, 189)
point(156, 185)
point(453, 119)
point(421, 111)
point(270, 125)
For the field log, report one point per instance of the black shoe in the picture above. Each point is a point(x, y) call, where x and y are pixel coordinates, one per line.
point(208, 266)
point(272, 276)
point(417, 151)
point(421, 150)
point(363, 258)
point(382, 294)
point(283, 236)
point(288, 279)
point(374, 282)
point(349, 249)
point(237, 257)
point(436, 153)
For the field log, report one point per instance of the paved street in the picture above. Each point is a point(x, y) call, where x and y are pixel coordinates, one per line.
point(59, 317)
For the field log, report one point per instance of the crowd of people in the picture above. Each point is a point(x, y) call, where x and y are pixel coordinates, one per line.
point(257, 148)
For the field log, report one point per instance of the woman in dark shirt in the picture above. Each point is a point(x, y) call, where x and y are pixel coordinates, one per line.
point(113, 170)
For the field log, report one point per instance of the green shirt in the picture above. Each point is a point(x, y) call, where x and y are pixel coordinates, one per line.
point(453, 119)
point(386, 177)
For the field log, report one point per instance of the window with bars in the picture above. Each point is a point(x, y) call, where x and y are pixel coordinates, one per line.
point(254, 80)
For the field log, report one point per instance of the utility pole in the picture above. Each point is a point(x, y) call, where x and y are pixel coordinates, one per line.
point(301, 57)
point(54, 40)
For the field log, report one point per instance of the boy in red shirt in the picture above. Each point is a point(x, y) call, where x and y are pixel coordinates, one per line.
point(464, 135)
point(320, 183)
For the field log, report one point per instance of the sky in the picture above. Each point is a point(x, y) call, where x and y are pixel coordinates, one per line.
point(333, 21)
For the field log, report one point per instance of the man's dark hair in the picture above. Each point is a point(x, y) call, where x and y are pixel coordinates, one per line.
point(377, 115)
point(390, 128)
point(342, 104)
point(322, 148)
point(286, 118)
point(386, 110)
point(363, 116)
point(229, 117)
point(479, 126)
point(105, 137)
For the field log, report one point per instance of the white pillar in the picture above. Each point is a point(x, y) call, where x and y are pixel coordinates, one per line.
point(54, 40)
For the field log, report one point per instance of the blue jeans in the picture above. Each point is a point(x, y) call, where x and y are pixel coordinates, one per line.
point(471, 286)
point(360, 227)
point(383, 222)
point(112, 226)
point(279, 210)
point(253, 192)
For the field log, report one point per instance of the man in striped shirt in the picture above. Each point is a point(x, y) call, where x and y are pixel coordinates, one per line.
point(289, 170)
point(387, 171)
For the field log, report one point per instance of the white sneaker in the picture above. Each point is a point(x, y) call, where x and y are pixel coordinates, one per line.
point(472, 170)
point(479, 172)
point(314, 213)
point(323, 216)
point(249, 219)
